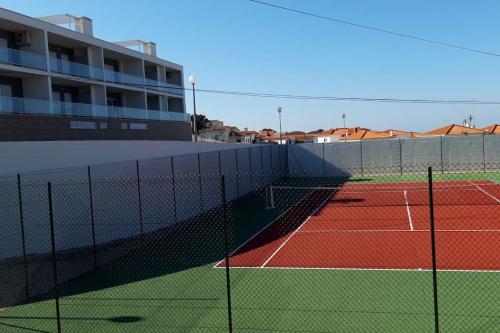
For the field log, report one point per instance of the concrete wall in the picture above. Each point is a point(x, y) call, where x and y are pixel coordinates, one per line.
point(56, 128)
point(20, 157)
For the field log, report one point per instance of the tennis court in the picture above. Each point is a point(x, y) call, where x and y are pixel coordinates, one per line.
point(331, 256)
point(380, 227)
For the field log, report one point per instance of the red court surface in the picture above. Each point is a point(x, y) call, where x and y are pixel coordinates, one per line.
point(382, 226)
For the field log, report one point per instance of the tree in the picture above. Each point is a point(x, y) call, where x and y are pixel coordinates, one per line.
point(201, 121)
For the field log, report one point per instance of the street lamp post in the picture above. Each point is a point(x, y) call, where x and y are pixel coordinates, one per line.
point(193, 80)
point(345, 129)
point(279, 113)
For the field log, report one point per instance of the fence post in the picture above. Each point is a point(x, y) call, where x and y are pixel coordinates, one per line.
point(433, 247)
point(484, 157)
point(250, 163)
point(261, 167)
point(173, 188)
point(237, 173)
point(400, 157)
point(226, 253)
point(139, 196)
point(287, 166)
point(199, 181)
point(271, 161)
point(441, 151)
point(92, 218)
point(23, 235)
point(361, 156)
point(54, 258)
point(324, 167)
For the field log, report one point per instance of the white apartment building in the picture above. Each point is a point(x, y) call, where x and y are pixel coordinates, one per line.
point(59, 82)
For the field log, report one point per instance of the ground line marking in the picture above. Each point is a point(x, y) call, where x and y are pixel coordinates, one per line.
point(261, 230)
point(296, 230)
point(367, 269)
point(485, 192)
point(333, 231)
point(405, 193)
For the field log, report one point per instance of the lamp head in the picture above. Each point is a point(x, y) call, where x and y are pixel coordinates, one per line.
point(193, 79)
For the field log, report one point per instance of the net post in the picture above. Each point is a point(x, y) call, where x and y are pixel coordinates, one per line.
point(54, 259)
point(433, 247)
point(271, 194)
point(23, 235)
point(139, 199)
point(270, 197)
point(226, 253)
point(92, 217)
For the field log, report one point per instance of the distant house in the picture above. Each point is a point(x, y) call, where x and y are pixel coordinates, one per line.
point(367, 134)
point(292, 137)
point(454, 129)
point(402, 134)
point(335, 134)
point(249, 136)
point(228, 134)
point(492, 129)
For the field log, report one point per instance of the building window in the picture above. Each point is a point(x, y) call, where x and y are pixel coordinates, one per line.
point(103, 125)
point(138, 126)
point(124, 126)
point(83, 125)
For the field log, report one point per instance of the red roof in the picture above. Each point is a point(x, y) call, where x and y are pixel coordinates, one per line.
point(492, 129)
point(454, 129)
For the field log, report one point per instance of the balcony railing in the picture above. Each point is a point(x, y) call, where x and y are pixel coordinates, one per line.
point(175, 89)
point(75, 69)
point(33, 106)
point(123, 78)
point(155, 85)
point(22, 58)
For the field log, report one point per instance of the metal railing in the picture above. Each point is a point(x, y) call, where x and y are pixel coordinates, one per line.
point(18, 105)
point(175, 89)
point(123, 78)
point(22, 58)
point(75, 69)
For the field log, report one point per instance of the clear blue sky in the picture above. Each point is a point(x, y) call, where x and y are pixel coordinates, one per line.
point(238, 45)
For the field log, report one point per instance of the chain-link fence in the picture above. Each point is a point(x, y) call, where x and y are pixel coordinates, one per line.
point(252, 247)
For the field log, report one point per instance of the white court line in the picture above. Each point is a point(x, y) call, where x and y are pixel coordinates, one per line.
point(405, 193)
point(369, 269)
point(261, 230)
point(333, 231)
point(296, 230)
point(485, 192)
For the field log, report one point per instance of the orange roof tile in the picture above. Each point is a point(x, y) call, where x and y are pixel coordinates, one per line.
point(454, 129)
point(492, 129)
point(395, 132)
point(366, 134)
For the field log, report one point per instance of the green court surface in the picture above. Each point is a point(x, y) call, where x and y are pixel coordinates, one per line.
point(138, 293)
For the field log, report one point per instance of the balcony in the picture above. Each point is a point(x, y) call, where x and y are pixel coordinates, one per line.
point(133, 113)
point(75, 69)
point(15, 105)
point(123, 78)
point(22, 58)
point(175, 89)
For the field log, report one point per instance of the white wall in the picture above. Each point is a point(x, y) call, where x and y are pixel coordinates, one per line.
point(18, 157)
